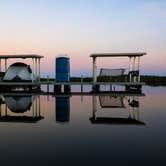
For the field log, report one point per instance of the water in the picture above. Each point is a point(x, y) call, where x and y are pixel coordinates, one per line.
point(86, 130)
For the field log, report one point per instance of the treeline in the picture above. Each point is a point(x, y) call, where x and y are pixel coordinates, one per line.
point(149, 80)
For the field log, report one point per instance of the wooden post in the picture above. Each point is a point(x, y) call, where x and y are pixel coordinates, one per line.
point(47, 84)
point(94, 70)
point(134, 68)
point(0, 66)
point(5, 64)
point(130, 68)
point(81, 83)
point(110, 87)
point(36, 68)
point(32, 69)
point(139, 78)
point(39, 69)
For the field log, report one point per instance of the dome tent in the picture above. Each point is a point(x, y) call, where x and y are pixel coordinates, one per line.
point(18, 72)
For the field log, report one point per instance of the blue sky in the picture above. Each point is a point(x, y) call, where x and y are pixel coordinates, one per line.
point(82, 27)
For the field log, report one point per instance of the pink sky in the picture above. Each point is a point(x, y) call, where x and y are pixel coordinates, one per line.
point(82, 28)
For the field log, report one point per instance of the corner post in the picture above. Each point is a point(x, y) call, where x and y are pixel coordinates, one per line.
point(36, 67)
point(94, 70)
point(130, 69)
point(32, 69)
point(139, 77)
point(39, 69)
point(0, 65)
point(5, 64)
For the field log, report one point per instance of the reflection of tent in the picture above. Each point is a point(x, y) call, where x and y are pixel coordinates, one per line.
point(18, 72)
point(111, 101)
point(18, 104)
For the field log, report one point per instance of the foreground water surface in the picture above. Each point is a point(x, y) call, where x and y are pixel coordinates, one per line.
point(84, 130)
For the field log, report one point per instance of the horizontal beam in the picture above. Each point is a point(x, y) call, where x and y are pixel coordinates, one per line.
point(137, 54)
point(22, 56)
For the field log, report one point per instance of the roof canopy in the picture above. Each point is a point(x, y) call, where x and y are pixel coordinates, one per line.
point(23, 56)
point(137, 54)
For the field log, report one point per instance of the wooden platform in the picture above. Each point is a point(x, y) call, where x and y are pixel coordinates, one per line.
point(67, 83)
point(95, 87)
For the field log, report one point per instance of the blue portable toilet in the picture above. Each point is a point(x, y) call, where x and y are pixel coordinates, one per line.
point(62, 68)
point(62, 109)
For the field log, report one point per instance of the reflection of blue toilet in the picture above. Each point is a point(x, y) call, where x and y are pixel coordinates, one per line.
point(62, 109)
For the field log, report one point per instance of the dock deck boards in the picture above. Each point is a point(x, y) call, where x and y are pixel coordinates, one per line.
point(68, 83)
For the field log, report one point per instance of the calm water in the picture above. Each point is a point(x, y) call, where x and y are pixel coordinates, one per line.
point(88, 130)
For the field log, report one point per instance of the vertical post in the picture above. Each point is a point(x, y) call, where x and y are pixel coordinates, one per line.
point(0, 65)
point(39, 69)
point(47, 84)
point(139, 78)
point(81, 83)
point(110, 87)
point(134, 68)
point(5, 64)
point(94, 70)
point(130, 68)
point(36, 67)
point(32, 69)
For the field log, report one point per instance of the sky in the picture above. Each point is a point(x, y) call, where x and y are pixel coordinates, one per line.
point(82, 27)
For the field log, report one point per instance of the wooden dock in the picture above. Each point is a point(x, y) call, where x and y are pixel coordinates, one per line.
point(67, 85)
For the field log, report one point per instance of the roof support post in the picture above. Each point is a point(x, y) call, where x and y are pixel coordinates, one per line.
point(36, 67)
point(32, 69)
point(0, 66)
point(39, 69)
point(5, 64)
point(139, 78)
point(94, 70)
point(134, 68)
point(130, 68)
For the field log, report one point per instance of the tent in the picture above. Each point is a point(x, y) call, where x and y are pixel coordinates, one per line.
point(18, 72)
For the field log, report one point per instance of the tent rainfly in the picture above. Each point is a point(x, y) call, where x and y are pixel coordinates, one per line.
point(18, 72)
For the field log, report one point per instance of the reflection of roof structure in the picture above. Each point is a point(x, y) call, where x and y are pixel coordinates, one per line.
point(24, 119)
point(18, 104)
point(18, 72)
point(120, 121)
point(111, 101)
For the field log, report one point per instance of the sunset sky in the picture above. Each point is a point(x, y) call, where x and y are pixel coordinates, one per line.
point(81, 27)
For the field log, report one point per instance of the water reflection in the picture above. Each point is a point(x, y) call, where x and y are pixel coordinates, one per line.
point(20, 108)
point(62, 109)
point(117, 101)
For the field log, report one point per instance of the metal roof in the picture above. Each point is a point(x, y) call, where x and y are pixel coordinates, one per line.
point(23, 56)
point(137, 54)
